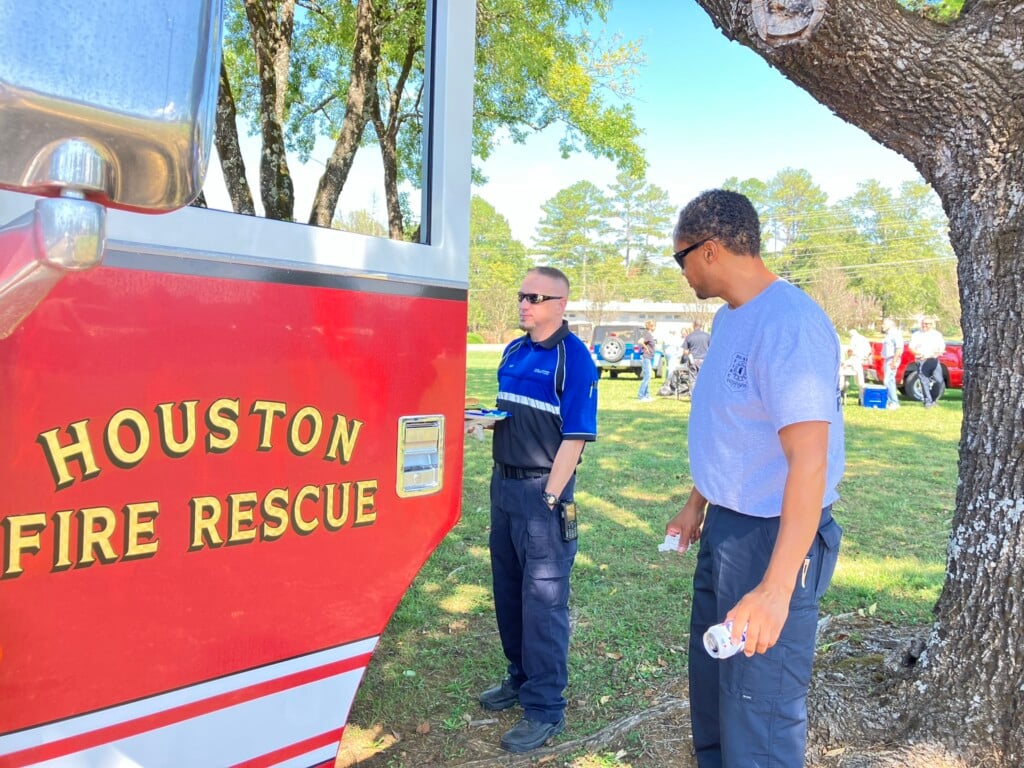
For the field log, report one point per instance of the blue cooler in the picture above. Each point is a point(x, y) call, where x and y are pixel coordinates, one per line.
point(874, 396)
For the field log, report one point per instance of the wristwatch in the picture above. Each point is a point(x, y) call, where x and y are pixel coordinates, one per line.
point(550, 499)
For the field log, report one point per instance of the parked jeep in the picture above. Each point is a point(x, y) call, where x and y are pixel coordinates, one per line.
point(951, 362)
point(616, 348)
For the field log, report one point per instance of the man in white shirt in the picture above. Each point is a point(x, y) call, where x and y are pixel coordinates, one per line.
point(927, 345)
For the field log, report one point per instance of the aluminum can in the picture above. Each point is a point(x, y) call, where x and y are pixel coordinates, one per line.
point(718, 641)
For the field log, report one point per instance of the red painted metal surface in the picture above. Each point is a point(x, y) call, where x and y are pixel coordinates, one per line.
point(91, 620)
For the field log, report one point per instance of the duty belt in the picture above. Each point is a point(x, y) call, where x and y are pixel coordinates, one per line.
point(520, 473)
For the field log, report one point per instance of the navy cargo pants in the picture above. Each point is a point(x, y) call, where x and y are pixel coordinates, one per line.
point(530, 567)
point(752, 713)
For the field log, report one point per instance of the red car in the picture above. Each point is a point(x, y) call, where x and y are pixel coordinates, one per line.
point(907, 379)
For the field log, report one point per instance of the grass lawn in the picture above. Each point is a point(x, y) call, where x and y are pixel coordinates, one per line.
point(630, 603)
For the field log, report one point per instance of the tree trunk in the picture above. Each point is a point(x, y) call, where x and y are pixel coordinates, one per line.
point(271, 23)
point(972, 677)
point(949, 99)
point(361, 95)
point(387, 138)
point(228, 149)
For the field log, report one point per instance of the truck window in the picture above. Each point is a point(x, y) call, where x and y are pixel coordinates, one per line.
point(351, 129)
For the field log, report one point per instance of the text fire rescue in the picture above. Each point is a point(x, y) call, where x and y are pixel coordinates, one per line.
point(212, 524)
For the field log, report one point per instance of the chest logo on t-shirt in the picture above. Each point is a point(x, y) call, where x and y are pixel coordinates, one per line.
point(542, 371)
point(736, 377)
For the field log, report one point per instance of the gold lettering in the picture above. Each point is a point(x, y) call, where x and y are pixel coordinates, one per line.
point(139, 520)
point(136, 423)
point(295, 442)
point(301, 525)
point(332, 521)
point(62, 540)
point(222, 423)
point(79, 449)
point(344, 435)
point(22, 533)
point(275, 510)
point(366, 514)
point(205, 516)
point(171, 445)
point(95, 527)
point(240, 512)
point(267, 410)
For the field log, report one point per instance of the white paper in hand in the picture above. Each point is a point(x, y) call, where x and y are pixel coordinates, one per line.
point(671, 544)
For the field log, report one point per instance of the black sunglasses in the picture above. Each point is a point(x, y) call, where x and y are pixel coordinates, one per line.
point(535, 298)
point(680, 256)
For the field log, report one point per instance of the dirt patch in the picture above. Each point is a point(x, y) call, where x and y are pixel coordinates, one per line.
point(855, 714)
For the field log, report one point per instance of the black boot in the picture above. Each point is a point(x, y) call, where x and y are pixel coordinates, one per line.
point(500, 696)
point(530, 734)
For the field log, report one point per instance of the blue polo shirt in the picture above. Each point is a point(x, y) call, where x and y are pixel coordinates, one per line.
point(549, 388)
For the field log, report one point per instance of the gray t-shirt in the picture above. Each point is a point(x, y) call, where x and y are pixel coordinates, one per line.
point(773, 361)
point(893, 344)
point(697, 343)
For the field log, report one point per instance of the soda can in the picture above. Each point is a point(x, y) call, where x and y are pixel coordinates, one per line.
point(718, 641)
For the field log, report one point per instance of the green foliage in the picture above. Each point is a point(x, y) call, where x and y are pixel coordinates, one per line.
point(794, 202)
point(904, 251)
point(497, 263)
point(474, 338)
point(876, 253)
point(572, 234)
point(644, 213)
point(938, 10)
point(532, 72)
point(361, 221)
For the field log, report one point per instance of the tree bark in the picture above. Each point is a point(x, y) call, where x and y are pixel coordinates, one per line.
point(271, 23)
point(387, 139)
point(951, 100)
point(361, 95)
point(228, 149)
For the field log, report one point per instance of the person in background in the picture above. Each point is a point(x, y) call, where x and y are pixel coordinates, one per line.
point(672, 352)
point(850, 368)
point(547, 382)
point(861, 349)
point(647, 347)
point(892, 353)
point(766, 461)
point(860, 345)
point(927, 346)
point(696, 343)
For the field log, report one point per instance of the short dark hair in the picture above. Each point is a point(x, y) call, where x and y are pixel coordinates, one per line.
point(551, 272)
point(728, 216)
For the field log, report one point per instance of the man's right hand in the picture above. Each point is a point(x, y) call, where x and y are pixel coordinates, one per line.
point(688, 521)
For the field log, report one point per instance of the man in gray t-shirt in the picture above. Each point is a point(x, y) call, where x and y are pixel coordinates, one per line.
point(696, 343)
point(766, 454)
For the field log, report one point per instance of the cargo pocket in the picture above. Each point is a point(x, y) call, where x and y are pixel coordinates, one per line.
point(829, 536)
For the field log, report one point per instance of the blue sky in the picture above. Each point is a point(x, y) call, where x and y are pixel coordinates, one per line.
point(709, 109)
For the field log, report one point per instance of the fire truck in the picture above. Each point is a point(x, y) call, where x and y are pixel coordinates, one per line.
point(228, 443)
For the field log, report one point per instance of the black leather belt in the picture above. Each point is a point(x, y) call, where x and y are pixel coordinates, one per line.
point(521, 473)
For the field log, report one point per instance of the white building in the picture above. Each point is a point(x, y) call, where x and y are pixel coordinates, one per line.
point(669, 315)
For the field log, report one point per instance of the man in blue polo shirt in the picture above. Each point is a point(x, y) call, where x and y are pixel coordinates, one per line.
point(547, 382)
